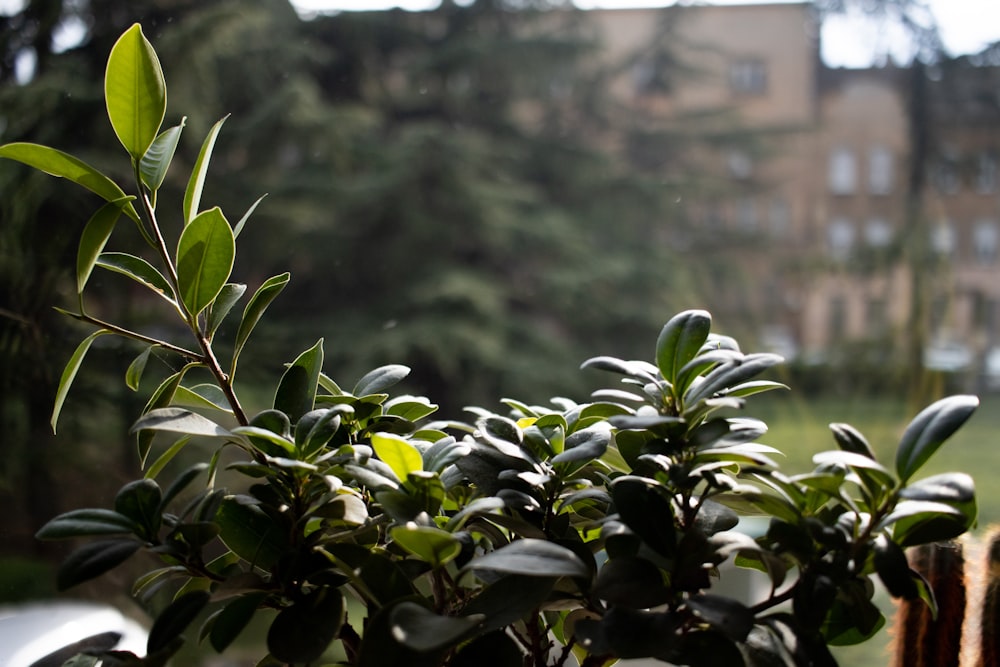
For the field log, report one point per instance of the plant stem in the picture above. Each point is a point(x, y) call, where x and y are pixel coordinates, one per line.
point(128, 333)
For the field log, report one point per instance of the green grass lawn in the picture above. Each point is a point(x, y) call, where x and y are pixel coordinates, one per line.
point(799, 428)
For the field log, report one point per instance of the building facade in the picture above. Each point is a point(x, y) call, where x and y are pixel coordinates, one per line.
point(875, 206)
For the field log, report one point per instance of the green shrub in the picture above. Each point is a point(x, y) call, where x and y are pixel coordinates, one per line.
point(531, 535)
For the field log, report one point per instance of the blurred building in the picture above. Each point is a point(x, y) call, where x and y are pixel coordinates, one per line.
point(820, 177)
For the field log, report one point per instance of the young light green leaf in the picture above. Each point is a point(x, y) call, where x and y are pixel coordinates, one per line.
point(69, 373)
point(205, 255)
point(155, 162)
point(259, 302)
point(62, 165)
point(928, 431)
point(135, 92)
point(428, 543)
point(230, 294)
point(296, 394)
point(95, 236)
point(679, 342)
point(133, 375)
point(208, 396)
point(192, 195)
point(397, 453)
point(138, 270)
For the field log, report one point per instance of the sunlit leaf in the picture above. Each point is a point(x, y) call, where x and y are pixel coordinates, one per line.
point(155, 162)
point(179, 420)
point(205, 255)
point(296, 393)
point(680, 341)
point(135, 92)
point(69, 374)
point(196, 183)
point(428, 543)
point(397, 453)
point(381, 378)
point(238, 227)
point(138, 270)
point(228, 296)
point(259, 302)
point(62, 165)
point(95, 236)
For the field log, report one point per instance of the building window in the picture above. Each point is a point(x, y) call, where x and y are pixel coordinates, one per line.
point(878, 233)
point(746, 214)
point(748, 77)
point(986, 173)
point(876, 317)
point(840, 238)
point(943, 238)
point(945, 174)
point(838, 318)
point(740, 165)
point(879, 170)
point(985, 241)
point(843, 171)
point(779, 218)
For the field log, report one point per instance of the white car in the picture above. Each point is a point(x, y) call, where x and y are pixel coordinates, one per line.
point(46, 634)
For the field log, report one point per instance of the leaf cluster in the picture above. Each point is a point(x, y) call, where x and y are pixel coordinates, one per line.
point(574, 531)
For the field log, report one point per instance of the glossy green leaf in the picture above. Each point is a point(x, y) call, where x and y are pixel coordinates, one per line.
point(644, 508)
point(156, 161)
point(928, 431)
point(534, 557)
point(249, 532)
point(196, 183)
point(379, 379)
point(893, 569)
point(419, 628)
point(300, 633)
point(680, 341)
point(179, 420)
point(92, 560)
point(138, 270)
point(266, 441)
point(86, 523)
point(730, 617)
point(95, 236)
point(296, 393)
point(411, 408)
point(397, 453)
point(181, 482)
point(233, 619)
point(510, 599)
point(62, 165)
point(208, 396)
point(259, 302)
point(205, 255)
point(729, 374)
point(850, 439)
point(135, 92)
point(175, 619)
point(69, 374)
point(238, 227)
point(428, 543)
point(140, 501)
point(228, 296)
point(631, 581)
point(133, 374)
point(162, 396)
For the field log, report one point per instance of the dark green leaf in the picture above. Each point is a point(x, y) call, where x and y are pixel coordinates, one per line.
point(301, 633)
point(155, 162)
point(85, 523)
point(730, 617)
point(585, 445)
point(380, 379)
point(259, 302)
point(729, 374)
point(632, 582)
point(928, 431)
point(205, 255)
point(296, 393)
point(249, 532)
point(850, 439)
point(893, 569)
point(679, 342)
point(510, 599)
point(419, 628)
point(238, 227)
point(180, 483)
point(173, 620)
point(233, 619)
point(534, 557)
point(138, 270)
point(69, 374)
point(228, 296)
point(95, 235)
point(179, 420)
point(140, 502)
point(133, 375)
point(92, 560)
point(644, 508)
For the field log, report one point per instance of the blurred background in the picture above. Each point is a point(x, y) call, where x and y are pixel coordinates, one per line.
point(493, 191)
